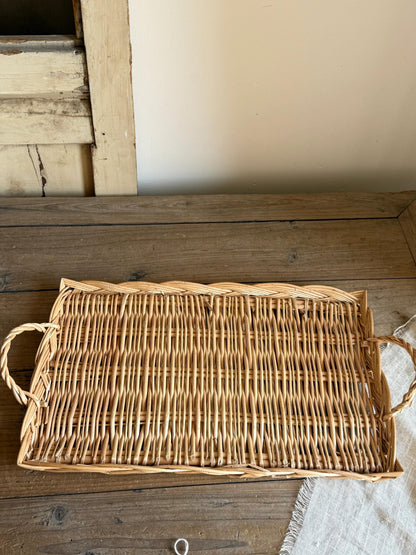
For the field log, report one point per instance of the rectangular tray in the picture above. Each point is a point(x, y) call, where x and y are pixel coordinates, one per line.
point(247, 380)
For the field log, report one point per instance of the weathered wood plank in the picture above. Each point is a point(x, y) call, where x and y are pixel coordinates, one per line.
point(43, 101)
point(244, 518)
point(393, 303)
point(45, 121)
point(26, 71)
point(278, 251)
point(408, 223)
point(76, 4)
point(107, 43)
point(206, 208)
point(44, 170)
point(255, 513)
point(39, 42)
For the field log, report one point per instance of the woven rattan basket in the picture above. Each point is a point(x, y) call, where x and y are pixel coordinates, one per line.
point(263, 380)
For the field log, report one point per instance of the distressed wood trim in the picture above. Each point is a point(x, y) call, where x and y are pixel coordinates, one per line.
point(25, 121)
point(39, 42)
point(39, 69)
point(107, 43)
point(76, 4)
point(200, 208)
point(408, 224)
point(45, 170)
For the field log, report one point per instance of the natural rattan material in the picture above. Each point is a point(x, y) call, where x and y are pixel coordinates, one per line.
point(261, 380)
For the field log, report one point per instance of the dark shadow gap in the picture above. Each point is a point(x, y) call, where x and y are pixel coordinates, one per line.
point(37, 17)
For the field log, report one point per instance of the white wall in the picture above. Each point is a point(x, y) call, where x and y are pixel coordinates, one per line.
point(274, 95)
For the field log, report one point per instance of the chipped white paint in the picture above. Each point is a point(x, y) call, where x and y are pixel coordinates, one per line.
point(29, 69)
point(44, 113)
point(45, 121)
point(50, 170)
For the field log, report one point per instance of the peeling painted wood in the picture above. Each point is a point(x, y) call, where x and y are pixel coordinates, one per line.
point(45, 117)
point(25, 121)
point(26, 71)
point(40, 42)
point(107, 43)
point(45, 170)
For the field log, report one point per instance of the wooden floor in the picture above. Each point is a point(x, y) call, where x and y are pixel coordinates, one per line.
point(351, 241)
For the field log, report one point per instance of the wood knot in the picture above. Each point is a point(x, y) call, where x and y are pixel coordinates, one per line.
point(136, 276)
point(293, 256)
point(59, 513)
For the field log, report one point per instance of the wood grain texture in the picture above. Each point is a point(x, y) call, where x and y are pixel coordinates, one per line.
point(39, 42)
point(197, 208)
point(45, 117)
point(393, 303)
point(280, 251)
point(408, 223)
point(76, 5)
point(107, 42)
point(26, 121)
point(40, 518)
point(27, 71)
point(45, 170)
point(234, 519)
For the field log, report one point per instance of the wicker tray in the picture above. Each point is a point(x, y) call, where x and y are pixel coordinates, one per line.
point(263, 380)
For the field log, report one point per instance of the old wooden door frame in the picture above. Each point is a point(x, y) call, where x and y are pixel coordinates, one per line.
point(106, 33)
point(55, 137)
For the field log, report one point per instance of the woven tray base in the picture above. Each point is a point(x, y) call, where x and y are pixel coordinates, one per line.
point(262, 380)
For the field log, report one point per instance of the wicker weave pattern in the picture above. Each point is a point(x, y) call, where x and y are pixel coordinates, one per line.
point(262, 379)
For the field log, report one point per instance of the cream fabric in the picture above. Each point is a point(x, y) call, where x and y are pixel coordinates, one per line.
point(350, 517)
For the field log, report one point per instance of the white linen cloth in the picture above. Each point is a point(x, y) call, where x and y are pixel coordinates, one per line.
point(353, 517)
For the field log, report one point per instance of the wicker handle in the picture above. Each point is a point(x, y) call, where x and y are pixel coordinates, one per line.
point(21, 396)
point(407, 397)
